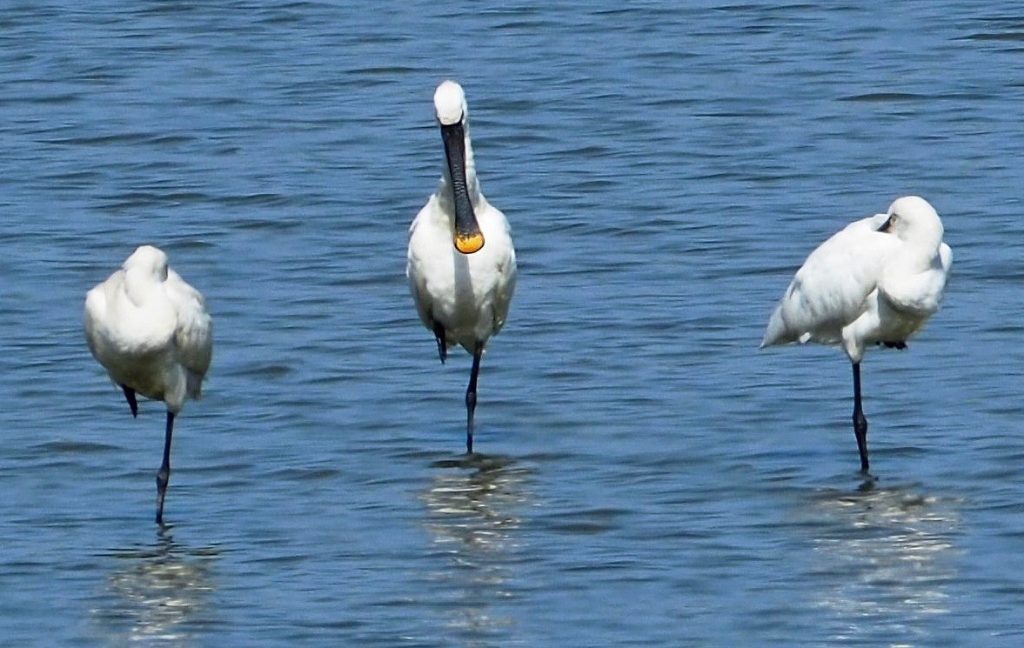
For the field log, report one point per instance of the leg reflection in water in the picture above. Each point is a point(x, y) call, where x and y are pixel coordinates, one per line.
point(473, 517)
point(156, 592)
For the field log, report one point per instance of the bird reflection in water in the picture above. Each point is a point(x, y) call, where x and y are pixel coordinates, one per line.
point(885, 558)
point(473, 507)
point(157, 593)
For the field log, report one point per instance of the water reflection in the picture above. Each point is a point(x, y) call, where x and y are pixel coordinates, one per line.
point(884, 560)
point(157, 594)
point(472, 515)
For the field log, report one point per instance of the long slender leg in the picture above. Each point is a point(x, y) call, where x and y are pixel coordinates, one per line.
point(129, 395)
point(164, 474)
point(442, 345)
point(860, 422)
point(471, 396)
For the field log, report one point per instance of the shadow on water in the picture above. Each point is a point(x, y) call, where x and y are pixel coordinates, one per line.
point(156, 594)
point(473, 516)
point(883, 561)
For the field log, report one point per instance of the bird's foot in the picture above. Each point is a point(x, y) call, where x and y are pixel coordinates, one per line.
point(900, 345)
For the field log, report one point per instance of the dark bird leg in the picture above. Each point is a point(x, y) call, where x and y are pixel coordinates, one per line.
point(164, 474)
point(129, 395)
point(442, 346)
point(860, 422)
point(471, 396)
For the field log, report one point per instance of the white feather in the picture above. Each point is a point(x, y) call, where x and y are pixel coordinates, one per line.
point(863, 286)
point(468, 294)
point(150, 329)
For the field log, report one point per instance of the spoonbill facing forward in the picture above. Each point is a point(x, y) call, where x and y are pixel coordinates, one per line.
point(462, 266)
point(151, 332)
point(875, 282)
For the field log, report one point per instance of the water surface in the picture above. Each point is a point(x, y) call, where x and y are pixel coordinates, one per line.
point(647, 476)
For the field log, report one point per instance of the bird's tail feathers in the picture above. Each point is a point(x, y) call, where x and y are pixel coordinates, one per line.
point(776, 333)
point(194, 385)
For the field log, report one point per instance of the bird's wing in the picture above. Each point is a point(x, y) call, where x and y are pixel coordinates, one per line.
point(830, 289)
point(420, 295)
point(92, 317)
point(946, 257)
point(415, 270)
point(193, 336)
point(506, 286)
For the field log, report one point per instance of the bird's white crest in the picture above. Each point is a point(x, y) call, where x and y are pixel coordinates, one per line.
point(450, 103)
point(915, 221)
point(149, 258)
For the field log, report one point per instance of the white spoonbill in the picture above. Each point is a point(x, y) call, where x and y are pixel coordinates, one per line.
point(462, 266)
point(875, 282)
point(151, 332)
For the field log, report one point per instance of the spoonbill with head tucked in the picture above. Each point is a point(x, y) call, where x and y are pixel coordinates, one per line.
point(461, 265)
point(875, 282)
point(151, 332)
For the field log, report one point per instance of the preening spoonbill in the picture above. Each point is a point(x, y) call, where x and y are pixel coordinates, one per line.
point(875, 282)
point(462, 266)
point(151, 332)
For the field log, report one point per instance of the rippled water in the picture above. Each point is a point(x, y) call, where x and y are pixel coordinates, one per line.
point(647, 477)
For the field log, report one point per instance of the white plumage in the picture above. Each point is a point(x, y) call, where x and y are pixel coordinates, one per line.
point(875, 282)
point(150, 330)
point(461, 262)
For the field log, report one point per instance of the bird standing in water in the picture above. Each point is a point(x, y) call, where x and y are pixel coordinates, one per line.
point(150, 330)
point(461, 264)
point(875, 282)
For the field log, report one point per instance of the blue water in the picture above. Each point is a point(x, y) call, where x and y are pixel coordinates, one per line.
point(646, 476)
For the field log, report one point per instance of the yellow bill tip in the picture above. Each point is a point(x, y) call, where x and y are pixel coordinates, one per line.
point(469, 243)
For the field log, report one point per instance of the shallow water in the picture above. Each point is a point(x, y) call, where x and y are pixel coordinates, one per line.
point(647, 476)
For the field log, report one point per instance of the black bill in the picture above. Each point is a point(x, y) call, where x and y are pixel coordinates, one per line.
point(468, 237)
